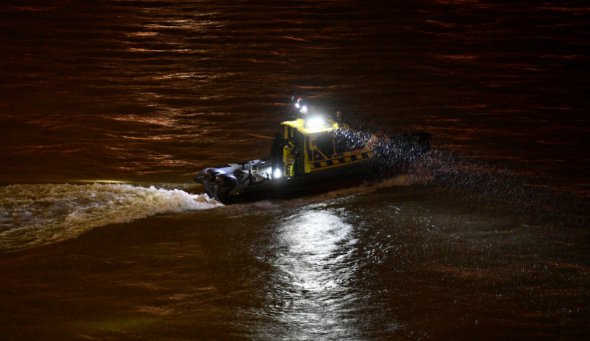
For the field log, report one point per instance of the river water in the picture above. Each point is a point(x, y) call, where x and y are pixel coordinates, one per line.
point(107, 108)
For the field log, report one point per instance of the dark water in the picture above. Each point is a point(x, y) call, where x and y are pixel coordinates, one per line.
point(108, 107)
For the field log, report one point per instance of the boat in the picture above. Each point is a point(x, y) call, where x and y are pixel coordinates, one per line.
point(313, 154)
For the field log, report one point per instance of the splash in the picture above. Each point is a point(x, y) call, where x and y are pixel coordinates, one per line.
point(36, 215)
point(406, 159)
point(485, 184)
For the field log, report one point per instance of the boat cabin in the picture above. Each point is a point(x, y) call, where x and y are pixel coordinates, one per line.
point(314, 144)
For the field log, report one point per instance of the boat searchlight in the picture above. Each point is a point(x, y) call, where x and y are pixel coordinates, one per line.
point(315, 123)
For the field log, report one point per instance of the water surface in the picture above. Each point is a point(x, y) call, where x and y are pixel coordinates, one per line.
point(108, 108)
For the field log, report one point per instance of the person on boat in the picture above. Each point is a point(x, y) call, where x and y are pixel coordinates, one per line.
point(289, 158)
point(341, 123)
point(298, 163)
point(276, 155)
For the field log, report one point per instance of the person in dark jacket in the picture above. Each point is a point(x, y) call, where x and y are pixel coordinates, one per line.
point(276, 155)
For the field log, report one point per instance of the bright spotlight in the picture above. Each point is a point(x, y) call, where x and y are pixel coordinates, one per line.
point(303, 109)
point(277, 174)
point(316, 122)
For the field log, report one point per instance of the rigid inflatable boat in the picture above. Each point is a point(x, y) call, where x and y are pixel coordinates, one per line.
point(313, 154)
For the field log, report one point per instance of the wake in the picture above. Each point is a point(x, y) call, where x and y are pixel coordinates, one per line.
point(36, 215)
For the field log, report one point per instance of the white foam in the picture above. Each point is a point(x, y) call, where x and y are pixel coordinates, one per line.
point(34, 215)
